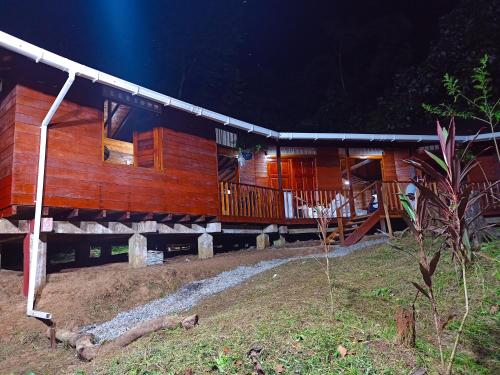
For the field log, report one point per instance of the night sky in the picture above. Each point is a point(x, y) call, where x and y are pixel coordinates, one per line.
point(265, 61)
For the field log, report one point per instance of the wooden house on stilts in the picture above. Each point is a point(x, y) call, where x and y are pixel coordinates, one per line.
point(90, 160)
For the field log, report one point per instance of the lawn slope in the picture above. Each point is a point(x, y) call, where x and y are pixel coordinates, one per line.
point(286, 312)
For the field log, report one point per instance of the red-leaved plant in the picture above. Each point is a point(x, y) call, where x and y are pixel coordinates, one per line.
point(446, 207)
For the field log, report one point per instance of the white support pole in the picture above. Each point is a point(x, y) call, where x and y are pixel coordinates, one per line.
point(39, 200)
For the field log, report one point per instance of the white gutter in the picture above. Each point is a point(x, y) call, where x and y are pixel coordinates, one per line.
point(381, 137)
point(39, 200)
point(40, 55)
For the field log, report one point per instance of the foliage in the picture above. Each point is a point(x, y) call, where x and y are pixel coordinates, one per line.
point(447, 205)
point(481, 107)
point(323, 222)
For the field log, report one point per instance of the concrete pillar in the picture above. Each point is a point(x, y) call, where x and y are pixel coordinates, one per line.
point(262, 241)
point(280, 242)
point(205, 246)
point(41, 270)
point(137, 250)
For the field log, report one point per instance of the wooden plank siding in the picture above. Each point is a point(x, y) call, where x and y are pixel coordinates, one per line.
point(77, 177)
point(404, 172)
point(7, 112)
point(490, 169)
point(254, 172)
point(328, 168)
point(389, 166)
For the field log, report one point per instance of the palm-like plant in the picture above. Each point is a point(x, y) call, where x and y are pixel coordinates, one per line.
point(447, 205)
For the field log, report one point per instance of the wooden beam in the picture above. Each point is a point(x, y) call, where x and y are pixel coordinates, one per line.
point(362, 163)
point(184, 219)
point(101, 214)
point(121, 125)
point(9, 211)
point(167, 218)
point(124, 216)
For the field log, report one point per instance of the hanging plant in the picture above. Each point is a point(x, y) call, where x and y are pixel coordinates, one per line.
point(245, 153)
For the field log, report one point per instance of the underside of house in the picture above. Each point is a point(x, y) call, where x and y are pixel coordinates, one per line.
point(124, 169)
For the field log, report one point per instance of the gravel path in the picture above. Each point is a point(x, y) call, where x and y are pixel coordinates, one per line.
point(190, 294)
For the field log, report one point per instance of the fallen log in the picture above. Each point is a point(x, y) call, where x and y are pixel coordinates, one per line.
point(86, 348)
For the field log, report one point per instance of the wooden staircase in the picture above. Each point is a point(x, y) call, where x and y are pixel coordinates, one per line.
point(351, 231)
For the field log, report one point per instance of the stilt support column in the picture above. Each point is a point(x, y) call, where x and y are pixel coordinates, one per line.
point(41, 271)
point(137, 250)
point(262, 241)
point(205, 246)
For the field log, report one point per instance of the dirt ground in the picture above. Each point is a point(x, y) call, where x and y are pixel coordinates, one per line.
point(81, 296)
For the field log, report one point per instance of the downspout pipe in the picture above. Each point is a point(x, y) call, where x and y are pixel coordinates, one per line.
point(30, 308)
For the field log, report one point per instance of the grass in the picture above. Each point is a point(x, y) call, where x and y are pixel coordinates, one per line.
point(286, 312)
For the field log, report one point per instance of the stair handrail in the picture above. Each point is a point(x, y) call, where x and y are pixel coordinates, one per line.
point(354, 197)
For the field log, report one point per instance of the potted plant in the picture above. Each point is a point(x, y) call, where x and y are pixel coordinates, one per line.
point(245, 152)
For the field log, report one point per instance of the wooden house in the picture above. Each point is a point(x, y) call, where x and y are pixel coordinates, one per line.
point(123, 161)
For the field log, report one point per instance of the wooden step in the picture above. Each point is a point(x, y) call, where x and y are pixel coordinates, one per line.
point(359, 218)
point(354, 223)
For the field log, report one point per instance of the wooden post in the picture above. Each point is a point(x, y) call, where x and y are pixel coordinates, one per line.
point(281, 198)
point(351, 193)
point(109, 118)
point(82, 253)
point(106, 252)
point(340, 224)
point(405, 327)
point(385, 200)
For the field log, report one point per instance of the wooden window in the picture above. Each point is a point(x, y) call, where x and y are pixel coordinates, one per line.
point(148, 149)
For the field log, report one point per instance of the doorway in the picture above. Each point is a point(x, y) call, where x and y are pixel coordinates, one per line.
point(358, 173)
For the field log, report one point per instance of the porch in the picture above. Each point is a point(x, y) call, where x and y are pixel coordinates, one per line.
point(244, 203)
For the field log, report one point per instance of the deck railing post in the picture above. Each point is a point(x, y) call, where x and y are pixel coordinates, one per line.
point(340, 224)
point(281, 196)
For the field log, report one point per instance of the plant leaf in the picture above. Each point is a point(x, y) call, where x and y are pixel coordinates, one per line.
point(434, 262)
point(421, 289)
point(425, 275)
point(438, 160)
point(405, 202)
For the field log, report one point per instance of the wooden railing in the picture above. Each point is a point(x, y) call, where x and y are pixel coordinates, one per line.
point(241, 200)
point(249, 201)
point(306, 204)
point(491, 200)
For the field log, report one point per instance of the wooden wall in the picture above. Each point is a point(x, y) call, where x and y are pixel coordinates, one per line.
point(404, 172)
point(489, 163)
point(328, 168)
point(7, 111)
point(393, 166)
point(190, 162)
point(77, 177)
point(254, 172)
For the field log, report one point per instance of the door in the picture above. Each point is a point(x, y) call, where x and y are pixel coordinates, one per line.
point(272, 173)
point(303, 174)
